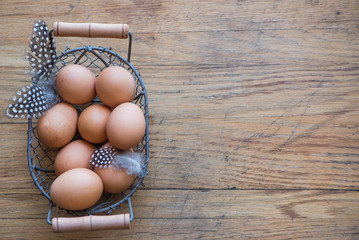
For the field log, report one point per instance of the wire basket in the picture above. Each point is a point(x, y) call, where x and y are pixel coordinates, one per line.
point(41, 159)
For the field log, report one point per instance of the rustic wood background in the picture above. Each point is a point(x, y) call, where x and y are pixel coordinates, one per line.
point(254, 117)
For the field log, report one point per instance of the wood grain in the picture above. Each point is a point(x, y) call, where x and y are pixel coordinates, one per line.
point(254, 117)
point(195, 229)
point(185, 16)
point(217, 214)
point(276, 165)
point(216, 204)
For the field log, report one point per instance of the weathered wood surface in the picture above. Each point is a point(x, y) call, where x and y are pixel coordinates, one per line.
point(254, 117)
point(191, 214)
point(181, 166)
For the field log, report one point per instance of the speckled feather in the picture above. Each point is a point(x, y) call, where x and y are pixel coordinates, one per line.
point(117, 159)
point(103, 157)
point(29, 102)
point(33, 100)
point(42, 51)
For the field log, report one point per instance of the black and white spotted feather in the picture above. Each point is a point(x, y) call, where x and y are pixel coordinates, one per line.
point(42, 52)
point(113, 158)
point(103, 157)
point(29, 102)
point(33, 100)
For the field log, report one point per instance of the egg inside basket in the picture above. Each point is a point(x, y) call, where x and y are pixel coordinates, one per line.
point(41, 159)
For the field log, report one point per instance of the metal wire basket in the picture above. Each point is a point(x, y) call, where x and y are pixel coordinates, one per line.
point(41, 159)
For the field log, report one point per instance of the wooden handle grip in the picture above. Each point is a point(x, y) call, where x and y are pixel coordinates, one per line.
point(90, 223)
point(92, 30)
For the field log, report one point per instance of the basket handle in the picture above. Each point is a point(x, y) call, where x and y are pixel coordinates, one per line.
point(92, 30)
point(90, 223)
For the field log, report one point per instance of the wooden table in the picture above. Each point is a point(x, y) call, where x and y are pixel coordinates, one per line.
point(254, 117)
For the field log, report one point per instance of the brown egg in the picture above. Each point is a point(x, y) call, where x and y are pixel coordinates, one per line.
point(114, 181)
point(76, 189)
point(92, 123)
point(58, 126)
point(125, 126)
point(76, 84)
point(115, 85)
point(76, 154)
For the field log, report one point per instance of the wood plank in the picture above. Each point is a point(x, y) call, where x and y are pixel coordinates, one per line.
point(193, 229)
point(178, 214)
point(179, 16)
point(207, 204)
point(315, 48)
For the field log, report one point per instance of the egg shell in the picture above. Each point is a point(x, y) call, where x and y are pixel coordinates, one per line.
point(58, 126)
point(76, 84)
point(76, 154)
point(125, 126)
point(76, 189)
point(114, 180)
point(92, 123)
point(115, 85)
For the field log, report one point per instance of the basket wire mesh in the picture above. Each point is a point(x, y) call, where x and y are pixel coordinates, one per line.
point(41, 159)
